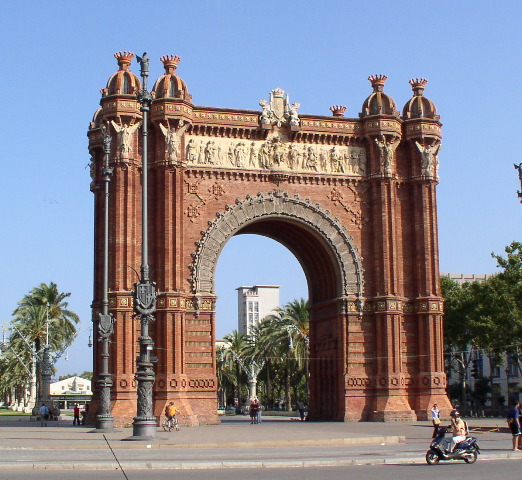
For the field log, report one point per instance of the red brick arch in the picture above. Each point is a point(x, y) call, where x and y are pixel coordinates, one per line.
point(288, 220)
point(354, 199)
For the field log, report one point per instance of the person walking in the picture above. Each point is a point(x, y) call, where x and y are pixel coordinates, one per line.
point(76, 413)
point(513, 420)
point(435, 419)
point(44, 413)
point(259, 411)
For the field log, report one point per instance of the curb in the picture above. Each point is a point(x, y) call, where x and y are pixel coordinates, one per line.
point(118, 444)
point(224, 465)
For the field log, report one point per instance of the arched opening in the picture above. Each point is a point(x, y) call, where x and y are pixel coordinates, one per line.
point(254, 276)
point(331, 266)
point(254, 260)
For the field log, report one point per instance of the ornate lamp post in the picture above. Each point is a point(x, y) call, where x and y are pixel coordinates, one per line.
point(144, 425)
point(104, 419)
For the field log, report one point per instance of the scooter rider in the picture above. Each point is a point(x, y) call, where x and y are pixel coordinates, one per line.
point(458, 429)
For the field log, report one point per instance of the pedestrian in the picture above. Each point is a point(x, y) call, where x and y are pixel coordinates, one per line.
point(259, 410)
point(76, 413)
point(253, 412)
point(513, 420)
point(301, 408)
point(44, 413)
point(435, 419)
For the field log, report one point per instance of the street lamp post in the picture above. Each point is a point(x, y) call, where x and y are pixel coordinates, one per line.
point(104, 419)
point(47, 364)
point(144, 295)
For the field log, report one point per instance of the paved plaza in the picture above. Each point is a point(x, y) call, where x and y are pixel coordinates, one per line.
point(235, 443)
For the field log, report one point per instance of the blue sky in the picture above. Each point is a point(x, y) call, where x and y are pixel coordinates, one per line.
point(58, 54)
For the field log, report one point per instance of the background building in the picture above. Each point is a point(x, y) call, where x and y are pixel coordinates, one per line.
point(461, 278)
point(254, 304)
point(66, 393)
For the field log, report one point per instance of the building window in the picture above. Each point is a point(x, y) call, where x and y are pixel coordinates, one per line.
point(512, 367)
point(250, 307)
point(256, 306)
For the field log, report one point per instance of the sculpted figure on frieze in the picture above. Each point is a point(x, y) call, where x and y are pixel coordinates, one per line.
point(323, 160)
point(253, 155)
point(264, 155)
point(387, 151)
point(124, 135)
point(210, 152)
point(293, 156)
point(279, 151)
point(192, 151)
point(310, 160)
point(429, 161)
point(172, 140)
point(336, 159)
point(239, 155)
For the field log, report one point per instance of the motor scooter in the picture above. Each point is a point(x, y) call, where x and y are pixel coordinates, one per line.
point(466, 450)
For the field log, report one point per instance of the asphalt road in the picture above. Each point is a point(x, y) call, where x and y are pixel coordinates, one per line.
point(485, 470)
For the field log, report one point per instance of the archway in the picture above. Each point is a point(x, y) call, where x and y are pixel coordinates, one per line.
point(332, 268)
point(345, 195)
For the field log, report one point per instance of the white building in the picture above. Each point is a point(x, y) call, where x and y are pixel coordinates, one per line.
point(461, 278)
point(66, 393)
point(255, 303)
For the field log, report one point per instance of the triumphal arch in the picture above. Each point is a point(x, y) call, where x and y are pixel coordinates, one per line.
point(354, 199)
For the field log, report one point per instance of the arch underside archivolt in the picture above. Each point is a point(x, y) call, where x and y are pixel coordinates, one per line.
point(277, 206)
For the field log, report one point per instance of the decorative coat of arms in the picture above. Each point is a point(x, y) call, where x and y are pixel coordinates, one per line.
point(145, 298)
point(279, 110)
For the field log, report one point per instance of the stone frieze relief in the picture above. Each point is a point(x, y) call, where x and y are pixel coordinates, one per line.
point(275, 154)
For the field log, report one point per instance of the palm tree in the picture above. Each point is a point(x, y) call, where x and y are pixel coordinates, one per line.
point(42, 318)
point(285, 335)
point(236, 345)
point(225, 376)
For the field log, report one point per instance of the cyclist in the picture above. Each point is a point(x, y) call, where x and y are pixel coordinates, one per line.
point(170, 412)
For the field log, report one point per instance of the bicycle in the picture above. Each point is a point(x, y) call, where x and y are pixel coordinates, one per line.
point(170, 423)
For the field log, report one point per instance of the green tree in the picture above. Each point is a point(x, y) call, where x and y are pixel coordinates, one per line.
point(43, 316)
point(233, 355)
point(284, 335)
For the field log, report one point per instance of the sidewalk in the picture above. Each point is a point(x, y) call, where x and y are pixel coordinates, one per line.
point(238, 444)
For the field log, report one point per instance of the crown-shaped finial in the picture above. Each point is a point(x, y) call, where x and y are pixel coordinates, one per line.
point(124, 59)
point(378, 82)
point(417, 85)
point(170, 62)
point(338, 110)
point(278, 92)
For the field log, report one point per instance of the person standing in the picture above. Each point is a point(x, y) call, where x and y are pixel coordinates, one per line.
point(44, 413)
point(513, 420)
point(259, 410)
point(301, 408)
point(76, 413)
point(253, 412)
point(435, 419)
